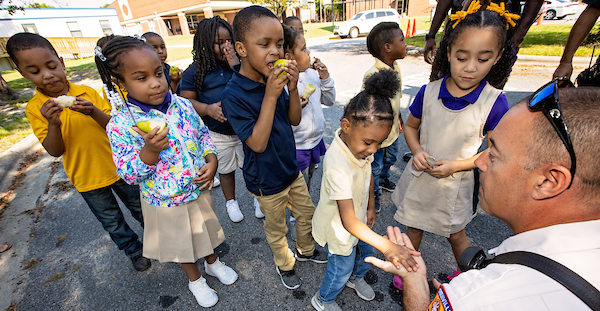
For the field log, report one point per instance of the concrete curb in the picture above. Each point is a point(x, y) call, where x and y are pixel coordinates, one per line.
point(10, 157)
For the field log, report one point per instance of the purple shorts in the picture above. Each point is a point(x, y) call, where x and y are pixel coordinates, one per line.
point(306, 157)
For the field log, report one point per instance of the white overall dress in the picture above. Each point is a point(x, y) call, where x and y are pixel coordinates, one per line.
point(443, 205)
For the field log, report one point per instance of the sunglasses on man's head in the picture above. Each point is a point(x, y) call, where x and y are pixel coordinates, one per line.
point(546, 99)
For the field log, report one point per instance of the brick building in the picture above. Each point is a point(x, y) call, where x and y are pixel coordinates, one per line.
point(174, 17)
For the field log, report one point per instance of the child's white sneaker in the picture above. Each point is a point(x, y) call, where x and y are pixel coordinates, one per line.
point(219, 270)
point(205, 296)
point(257, 212)
point(233, 209)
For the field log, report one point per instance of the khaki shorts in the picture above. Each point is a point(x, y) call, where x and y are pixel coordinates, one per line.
point(230, 152)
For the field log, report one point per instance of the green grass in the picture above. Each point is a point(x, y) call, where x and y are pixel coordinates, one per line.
point(545, 40)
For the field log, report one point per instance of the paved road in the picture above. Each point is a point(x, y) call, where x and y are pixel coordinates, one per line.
point(63, 260)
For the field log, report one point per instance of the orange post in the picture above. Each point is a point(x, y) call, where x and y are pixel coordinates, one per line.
point(414, 29)
point(408, 31)
point(541, 17)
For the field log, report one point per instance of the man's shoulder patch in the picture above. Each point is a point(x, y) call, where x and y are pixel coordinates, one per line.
point(440, 302)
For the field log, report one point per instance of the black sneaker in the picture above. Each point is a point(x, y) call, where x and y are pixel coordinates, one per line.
point(317, 256)
point(141, 263)
point(289, 278)
point(387, 185)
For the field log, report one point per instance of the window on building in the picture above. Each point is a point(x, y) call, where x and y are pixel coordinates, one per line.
point(152, 25)
point(74, 28)
point(106, 28)
point(192, 21)
point(30, 28)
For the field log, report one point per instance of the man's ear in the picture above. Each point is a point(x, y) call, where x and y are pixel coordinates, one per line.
point(240, 49)
point(551, 181)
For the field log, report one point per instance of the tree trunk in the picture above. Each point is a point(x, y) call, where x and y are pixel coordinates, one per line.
point(6, 93)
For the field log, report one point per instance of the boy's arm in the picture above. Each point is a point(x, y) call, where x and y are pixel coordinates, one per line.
point(53, 141)
point(261, 132)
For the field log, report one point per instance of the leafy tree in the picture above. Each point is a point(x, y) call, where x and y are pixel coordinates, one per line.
point(6, 93)
point(277, 6)
point(35, 5)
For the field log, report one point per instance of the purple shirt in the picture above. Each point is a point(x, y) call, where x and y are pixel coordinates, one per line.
point(499, 108)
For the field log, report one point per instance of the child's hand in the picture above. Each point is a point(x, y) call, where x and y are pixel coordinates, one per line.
point(51, 111)
point(371, 217)
point(293, 75)
point(83, 106)
point(402, 252)
point(177, 76)
point(398, 238)
point(154, 143)
point(206, 175)
point(275, 85)
point(303, 101)
point(229, 54)
point(321, 68)
point(443, 169)
point(214, 111)
point(420, 161)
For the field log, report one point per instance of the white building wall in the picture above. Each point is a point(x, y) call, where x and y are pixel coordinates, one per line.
point(53, 22)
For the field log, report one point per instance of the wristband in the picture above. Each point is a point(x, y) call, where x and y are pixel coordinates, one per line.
point(428, 36)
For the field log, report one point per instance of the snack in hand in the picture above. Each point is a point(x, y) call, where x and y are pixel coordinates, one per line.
point(312, 61)
point(308, 90)
point(173, 70)
point(430, 160)
point(149, 125)
point(65, 101)
point(281, 62)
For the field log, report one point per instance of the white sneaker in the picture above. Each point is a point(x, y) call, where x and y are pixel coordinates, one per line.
point(233, 209)
point(257, 212)
point(216, 182)
point(205, 296)
point(222, 272)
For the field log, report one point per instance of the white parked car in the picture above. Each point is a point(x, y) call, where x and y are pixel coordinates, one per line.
point(559, 8)
point(364, 21)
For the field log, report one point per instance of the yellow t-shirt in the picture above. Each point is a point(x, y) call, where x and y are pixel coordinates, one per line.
point(344, 177)
point(87, 158)
point(395, 101)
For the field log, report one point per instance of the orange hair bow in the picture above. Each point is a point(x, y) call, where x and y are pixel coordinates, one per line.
point(460, 15)
point(510, 17)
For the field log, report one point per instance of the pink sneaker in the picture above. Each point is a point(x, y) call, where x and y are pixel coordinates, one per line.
point(453, 275)
point(398, 282)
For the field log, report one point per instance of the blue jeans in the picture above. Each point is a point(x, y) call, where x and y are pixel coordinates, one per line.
point(384, 158)
point(103, 204)
point(341, 268)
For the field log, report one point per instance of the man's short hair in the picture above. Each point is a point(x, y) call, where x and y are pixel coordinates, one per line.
point(244, 18)
point(25, 41)
point(381, 34)
point(582, 116)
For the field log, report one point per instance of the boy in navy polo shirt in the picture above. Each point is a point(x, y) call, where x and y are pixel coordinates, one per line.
point(261, 114)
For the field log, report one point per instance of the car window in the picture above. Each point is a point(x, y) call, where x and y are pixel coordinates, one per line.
point(357, 16)
point(369, 15)
point(380, 14)
point(388, 13)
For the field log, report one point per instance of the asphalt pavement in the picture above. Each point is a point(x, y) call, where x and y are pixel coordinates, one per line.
point(62, 259)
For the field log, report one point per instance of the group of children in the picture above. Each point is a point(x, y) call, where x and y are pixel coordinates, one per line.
point(239, 108)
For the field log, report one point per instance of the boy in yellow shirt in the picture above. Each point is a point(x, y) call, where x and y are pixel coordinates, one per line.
point(78, 134)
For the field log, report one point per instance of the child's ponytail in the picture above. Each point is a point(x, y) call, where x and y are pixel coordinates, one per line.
point(373, 103)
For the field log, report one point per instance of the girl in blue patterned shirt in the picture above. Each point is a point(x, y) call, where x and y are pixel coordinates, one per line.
point(174, 166)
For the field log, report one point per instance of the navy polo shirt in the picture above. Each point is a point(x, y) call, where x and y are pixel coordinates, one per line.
point(276, 168)
point(212, 92)
point(499, 108)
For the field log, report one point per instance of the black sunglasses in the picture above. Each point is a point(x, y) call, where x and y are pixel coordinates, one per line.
point(546, 99)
